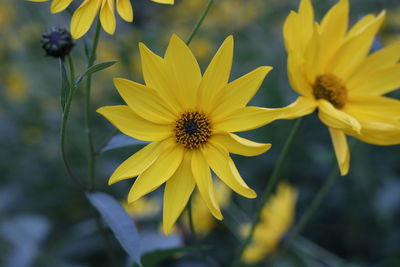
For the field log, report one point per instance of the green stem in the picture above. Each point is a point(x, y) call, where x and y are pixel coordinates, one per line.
point(268, 189)
point(311, 208)
point(191, 224)
point(91, 156)
point(199, 21)
point(65, 120)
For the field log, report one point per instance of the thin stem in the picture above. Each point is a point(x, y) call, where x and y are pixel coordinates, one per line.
point(91, 156)
point(190, 219)
point(311, 208)
point(199, 21)
point(65, 120)
point(268, 189)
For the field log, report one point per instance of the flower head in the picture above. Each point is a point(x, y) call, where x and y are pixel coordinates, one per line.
point(57, 42)
point(189, 118)
point(83, 17)
point(330, 66)
point(276, 218)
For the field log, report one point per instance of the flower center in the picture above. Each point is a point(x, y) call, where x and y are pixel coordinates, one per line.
point(192, 129)
point(331, 88)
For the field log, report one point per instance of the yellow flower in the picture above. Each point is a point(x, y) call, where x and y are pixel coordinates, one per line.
point(83, 17)
point(276, 218)
point(330, 66)
point(189, 118)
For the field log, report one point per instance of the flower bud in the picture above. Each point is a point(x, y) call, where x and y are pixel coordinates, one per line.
point(57, 42)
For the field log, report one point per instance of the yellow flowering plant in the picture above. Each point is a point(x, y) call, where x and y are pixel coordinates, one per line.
point(330, 65)
point(85, 14)
point(189, 123)
point(189, 118)
point(276, 218)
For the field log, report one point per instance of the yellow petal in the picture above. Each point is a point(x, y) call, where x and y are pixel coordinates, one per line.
point(238, 93)
point(297, 75)
point(159, 172)
point(107, 17)
point(156, 76)
point(202, 176)
point(216, 75)
point(238, 145)
point(185, 70)
point(379, 60)
point(177, 193)
point(341, 148)
point(337, 119)
point(312, 58)
point(354, 50)
point(124, 9)
point(83, 17)
point(377, 83)
point(145, 101)
point(333, 29)
point(136, 163)
point(169, 2)
point(298, 28)
point(222, 165)
point(380, 133)
point(59, 5)
point(249, 118)
point(373, 105)
point(360, 25)
point(379, 120)
point(133, 125)
point(37, 0)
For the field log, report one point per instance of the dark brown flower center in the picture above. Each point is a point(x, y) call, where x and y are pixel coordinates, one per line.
point(331, 88)
point(192, 129)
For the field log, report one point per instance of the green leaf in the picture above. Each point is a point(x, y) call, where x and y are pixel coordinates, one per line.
point(87, 49)
point(95, 68)
point(65, 86)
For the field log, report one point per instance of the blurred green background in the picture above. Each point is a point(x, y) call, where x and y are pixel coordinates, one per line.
point(46, 221)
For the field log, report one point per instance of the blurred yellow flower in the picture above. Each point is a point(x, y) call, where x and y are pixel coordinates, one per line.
point(276, 218)
point(142, 208)
point(83, 17)
point(7, 14)
point(16, 86)
point(202, 219)
point(330, 66)
point(189, 118)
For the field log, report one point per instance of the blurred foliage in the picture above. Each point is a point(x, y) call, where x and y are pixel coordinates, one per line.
point(46, 221)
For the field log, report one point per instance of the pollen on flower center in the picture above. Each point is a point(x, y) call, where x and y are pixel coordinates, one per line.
point(329, 87)
point(192, 129)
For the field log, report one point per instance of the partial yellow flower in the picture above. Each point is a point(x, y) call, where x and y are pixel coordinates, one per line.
point(276, 218)
point(331, 67)
point(203, 221)
point(56, 5)
point(83, 17)
point(189, 118)
point(143, 208)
